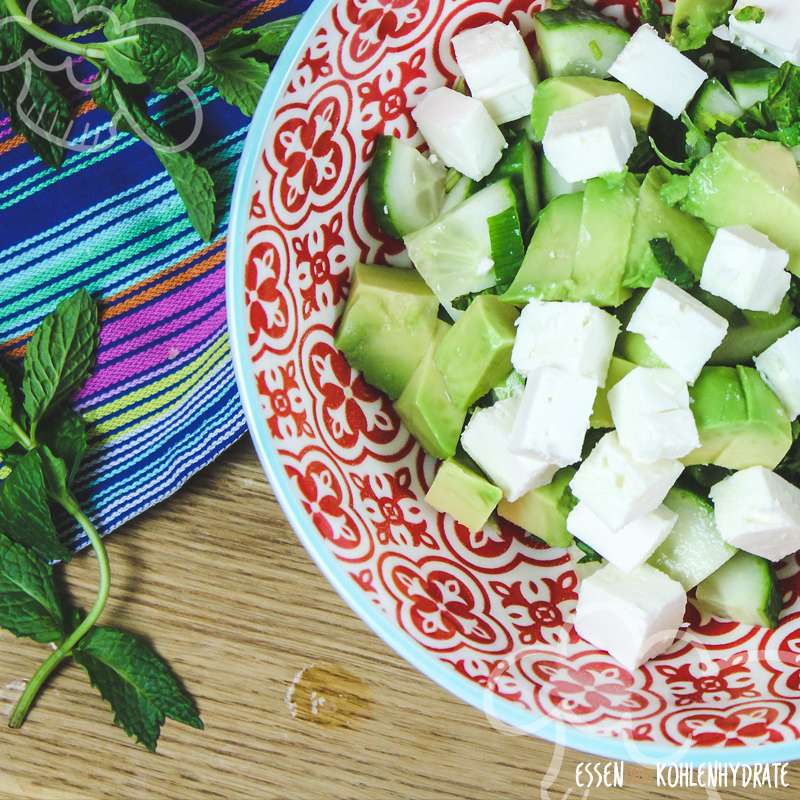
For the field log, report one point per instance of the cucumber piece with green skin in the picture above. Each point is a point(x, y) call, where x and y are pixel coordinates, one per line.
point(519, 163)
point(464, 188)
point(405, 190)
point(744, 589)
point(693, 21)
point(694, 548)
point(751, 86)
point(557, 94)
point(576, 40)
point(714, 105)
point(454, 253)
point(553, 185)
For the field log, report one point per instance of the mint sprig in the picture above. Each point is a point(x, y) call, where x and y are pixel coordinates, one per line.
point(43, 441)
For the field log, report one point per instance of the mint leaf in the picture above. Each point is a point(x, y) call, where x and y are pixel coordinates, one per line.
point(272, 36)
point(64, 433)
point(136, 682)
point(192, 181)
point(161, 55)
point(60, 355)
point(7, 436)
point(750, 14)
point(239, 80)
point(25, 509)
point(590, 554)
point(28, 602)
point(67, 11)
point(672, 266)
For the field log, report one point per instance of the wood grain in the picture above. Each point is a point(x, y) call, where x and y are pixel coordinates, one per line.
point(216, 577)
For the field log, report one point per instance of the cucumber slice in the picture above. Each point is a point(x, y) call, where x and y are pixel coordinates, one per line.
point(714, 105)
point(405, 190)
point(454, 253)
point(519, 163)
point(744, 590)
point(576, 40)
point(694, 548)
point(751, 86)
point(464, 188)
point(553, 185)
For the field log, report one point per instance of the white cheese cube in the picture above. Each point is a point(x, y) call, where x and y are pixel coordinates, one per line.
point(630, 546)
point(575, 337)
point(776, 38)
point(658, 71)
point(593, 138)
point(745, 268)
point(650, 410)
point(679, 329)
point(487, 441)
point(460, 132)
point(498, 68)
point(779, 366)
point(758, 511)
point(618, 488)
point(634, 616)
point(554, 416)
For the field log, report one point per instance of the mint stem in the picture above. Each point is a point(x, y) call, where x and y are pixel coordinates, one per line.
point(64, 650)
point(76, 48)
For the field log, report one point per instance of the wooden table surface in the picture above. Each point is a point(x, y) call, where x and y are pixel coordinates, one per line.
point(218, 580)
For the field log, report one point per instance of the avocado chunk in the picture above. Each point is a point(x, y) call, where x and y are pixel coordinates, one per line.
point(546, 270)
point(632, 347)
point(556, 94)
point(744, 589)
point(576, 40)
point(475, 353)
point(751, 333)
point(693, 21)
point(749, 182)
point(426, 408)
point(657, 220)
point(740, 420)
point(387, 325)
point(618, 368)
point(694, 548)
point(464, 494)
point(544, 511)
point(609, 209)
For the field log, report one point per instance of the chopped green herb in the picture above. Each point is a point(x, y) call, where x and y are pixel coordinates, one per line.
point(750, 14)
point(672, 267)
point(596, 50)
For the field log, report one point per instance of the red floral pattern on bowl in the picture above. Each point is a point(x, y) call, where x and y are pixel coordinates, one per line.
point(494, 606)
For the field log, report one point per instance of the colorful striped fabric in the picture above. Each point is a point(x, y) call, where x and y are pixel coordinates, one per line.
point(163, 401)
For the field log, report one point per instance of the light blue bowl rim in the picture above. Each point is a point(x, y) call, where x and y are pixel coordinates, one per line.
point(504, 710)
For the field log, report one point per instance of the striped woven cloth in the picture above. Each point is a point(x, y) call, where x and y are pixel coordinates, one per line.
point(163, 401)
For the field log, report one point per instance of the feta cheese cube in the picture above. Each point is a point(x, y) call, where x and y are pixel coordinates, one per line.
point(758, 511)
point(460, 132)
point(487, 440)
point(776, 38)
point(779, 366)
point(593, 138)
point(630, 546)
point(618, 488)
point(650, 410)
point(498, 68)
point(678, 328)
point(745, 268)
point(554, 416)
point(634, 616)
point(658, 71)
point(575, 337)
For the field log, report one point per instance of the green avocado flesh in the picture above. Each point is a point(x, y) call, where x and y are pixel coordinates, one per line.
point(693, 21)
point(618, 368)
point(464, 494)
point(556, 94)
point(543, 511)
point(657, 220)
point(426, 408)
point(387, 325)
point(749, 182)
point(475, 354)
point(744, 589)
point(740, 420)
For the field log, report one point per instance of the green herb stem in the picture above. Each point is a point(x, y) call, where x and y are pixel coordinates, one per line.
point(64, 650)
point(76, 48)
